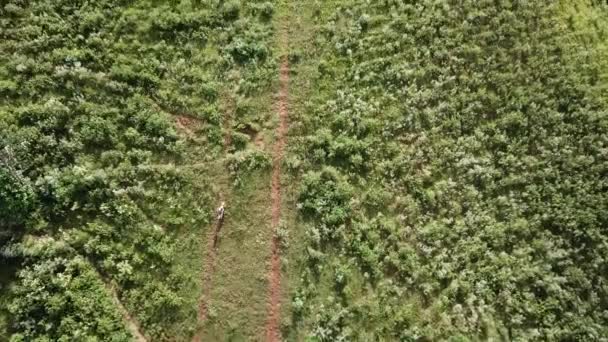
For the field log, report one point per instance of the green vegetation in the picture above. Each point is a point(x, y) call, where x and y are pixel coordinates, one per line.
point(454, 172)
point(445, 177)
point(111, 116)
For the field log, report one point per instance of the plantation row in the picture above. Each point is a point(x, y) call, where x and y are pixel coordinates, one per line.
point(454, 172)
point(98, 100)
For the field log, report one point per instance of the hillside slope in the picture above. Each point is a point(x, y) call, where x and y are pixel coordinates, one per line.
point(454, 172)
point(392, 170)
point(112, 122)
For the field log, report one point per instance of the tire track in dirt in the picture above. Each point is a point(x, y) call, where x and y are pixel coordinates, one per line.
point(274, 277)
point(212, 239)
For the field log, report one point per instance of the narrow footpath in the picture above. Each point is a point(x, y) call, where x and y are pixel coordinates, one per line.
point(210, 264)
point(213, 240)
point(282, 108)
point(130, 322)
point(241, 280)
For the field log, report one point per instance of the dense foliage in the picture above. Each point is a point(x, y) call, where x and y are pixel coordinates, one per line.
point(455, 172)
point(452, 158)
point(89, 195)
point(63, 299)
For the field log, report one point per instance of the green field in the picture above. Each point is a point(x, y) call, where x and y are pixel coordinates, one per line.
point(444, 175)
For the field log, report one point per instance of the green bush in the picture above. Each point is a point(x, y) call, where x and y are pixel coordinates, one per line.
point(325, 195)
point(17, 198)
point(247, 161)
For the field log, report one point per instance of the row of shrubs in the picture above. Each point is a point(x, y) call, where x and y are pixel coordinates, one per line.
point(453, 172)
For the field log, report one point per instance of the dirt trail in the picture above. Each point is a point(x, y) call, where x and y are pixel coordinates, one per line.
point(274, 290)
point(203, 307)
point(212, 241)
point(131, 323)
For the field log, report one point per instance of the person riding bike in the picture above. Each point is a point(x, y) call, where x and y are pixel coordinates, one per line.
point(220, 211)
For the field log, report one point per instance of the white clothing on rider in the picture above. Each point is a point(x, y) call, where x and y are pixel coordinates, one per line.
point(220, 211)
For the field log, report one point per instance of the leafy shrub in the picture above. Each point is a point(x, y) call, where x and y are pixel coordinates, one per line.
point(247, 161)
point(265, 9)
point(326, 196)
point(61, 299)
point(17, 196)
point(282, 234)
point(231, 9)
point(247, 51)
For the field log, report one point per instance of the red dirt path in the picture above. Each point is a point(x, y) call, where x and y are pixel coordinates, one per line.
point(274, 290)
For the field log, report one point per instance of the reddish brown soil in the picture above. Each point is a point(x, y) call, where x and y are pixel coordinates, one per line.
point(187, 124)
point(274, 290)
